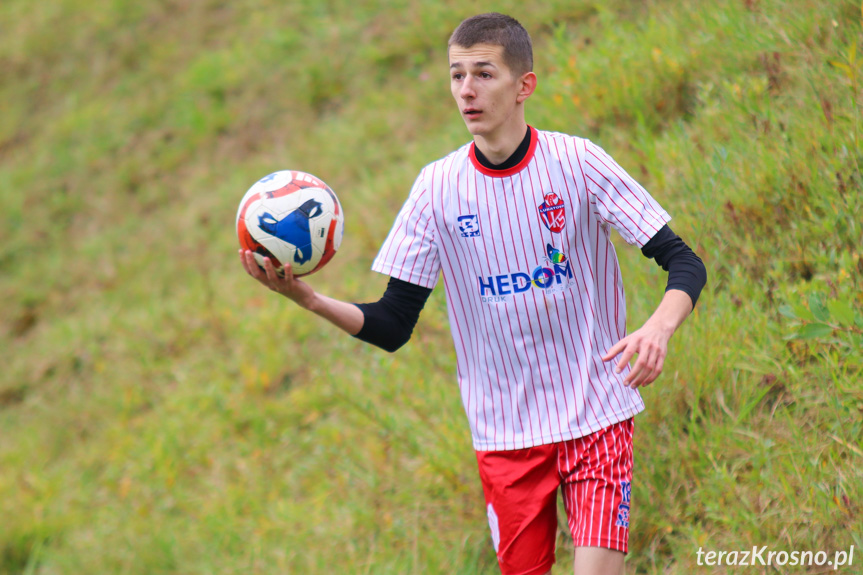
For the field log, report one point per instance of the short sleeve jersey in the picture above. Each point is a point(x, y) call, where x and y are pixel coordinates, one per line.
point(533, 285)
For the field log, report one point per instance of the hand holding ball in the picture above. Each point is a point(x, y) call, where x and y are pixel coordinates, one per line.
point(292, 218)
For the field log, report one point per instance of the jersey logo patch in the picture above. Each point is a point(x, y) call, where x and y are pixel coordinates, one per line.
point(468, 226)
point(553, 275)
point(552, 212)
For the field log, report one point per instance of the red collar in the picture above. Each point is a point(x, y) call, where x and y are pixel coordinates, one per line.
point(510, 171)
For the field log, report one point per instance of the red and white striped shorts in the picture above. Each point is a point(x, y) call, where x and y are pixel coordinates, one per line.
point(520, 486)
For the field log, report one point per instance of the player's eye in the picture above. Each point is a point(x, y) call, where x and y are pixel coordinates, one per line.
point(457, 76)
point(485, 75)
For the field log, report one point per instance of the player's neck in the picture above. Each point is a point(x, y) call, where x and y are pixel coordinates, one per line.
point(515, 159)
point(498, 147)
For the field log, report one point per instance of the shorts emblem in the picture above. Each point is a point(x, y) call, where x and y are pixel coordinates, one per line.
point(623, 508)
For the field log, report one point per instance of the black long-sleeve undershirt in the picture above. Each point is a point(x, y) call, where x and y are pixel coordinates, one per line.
point(686, 271)
point(389, 322)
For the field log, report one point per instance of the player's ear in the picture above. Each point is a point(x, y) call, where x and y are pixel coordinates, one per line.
point(527, 84)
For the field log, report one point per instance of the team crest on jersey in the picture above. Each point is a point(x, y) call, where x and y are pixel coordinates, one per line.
point(468, 225)
point(623, 508)
point(552, 212)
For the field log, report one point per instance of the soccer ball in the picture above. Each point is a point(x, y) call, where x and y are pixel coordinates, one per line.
point(291, 217)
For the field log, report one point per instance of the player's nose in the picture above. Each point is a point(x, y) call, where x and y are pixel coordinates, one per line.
point(467, 91)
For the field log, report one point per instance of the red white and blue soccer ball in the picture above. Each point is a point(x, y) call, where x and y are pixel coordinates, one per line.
point(292, 218)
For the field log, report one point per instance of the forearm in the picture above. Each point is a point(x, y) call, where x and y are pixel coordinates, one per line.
point(386, 323)
point(675, 306)
point(343, 315)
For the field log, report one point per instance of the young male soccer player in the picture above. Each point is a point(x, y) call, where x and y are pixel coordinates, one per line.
point(518, 223)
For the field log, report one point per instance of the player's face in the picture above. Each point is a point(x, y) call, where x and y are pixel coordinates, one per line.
point(488, 94)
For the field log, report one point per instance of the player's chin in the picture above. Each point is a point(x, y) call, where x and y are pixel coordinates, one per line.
point(474, 126)
point(472, 129)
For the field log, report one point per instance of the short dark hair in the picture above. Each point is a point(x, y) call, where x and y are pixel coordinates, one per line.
point(500, 30)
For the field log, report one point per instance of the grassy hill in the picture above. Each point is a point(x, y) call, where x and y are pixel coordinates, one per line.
point(162, 413)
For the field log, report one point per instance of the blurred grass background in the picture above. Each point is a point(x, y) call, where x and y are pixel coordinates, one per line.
point(162, 413)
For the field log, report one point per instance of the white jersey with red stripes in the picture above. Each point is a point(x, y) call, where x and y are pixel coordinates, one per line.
point(534, 290)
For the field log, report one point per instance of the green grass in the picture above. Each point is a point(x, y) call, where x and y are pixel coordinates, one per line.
point(161, 413)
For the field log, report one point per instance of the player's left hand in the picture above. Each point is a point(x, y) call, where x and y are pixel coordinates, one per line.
point(651, 345)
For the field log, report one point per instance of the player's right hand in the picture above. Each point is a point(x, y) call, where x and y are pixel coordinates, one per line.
point(287, 285)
